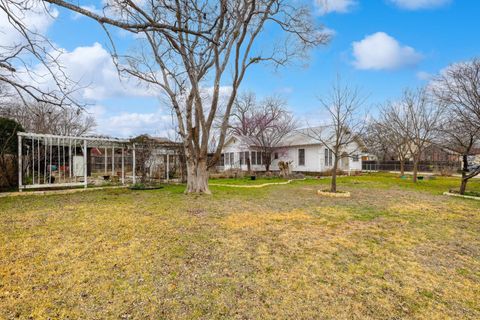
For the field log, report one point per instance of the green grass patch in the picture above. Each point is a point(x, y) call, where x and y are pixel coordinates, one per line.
point(247, 180)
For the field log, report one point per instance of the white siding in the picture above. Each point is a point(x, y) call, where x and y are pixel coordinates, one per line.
point(314, 158)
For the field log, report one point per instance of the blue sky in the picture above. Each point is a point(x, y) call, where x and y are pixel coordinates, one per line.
point(383, 46)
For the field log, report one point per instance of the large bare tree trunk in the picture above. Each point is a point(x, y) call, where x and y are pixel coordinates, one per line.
point(463, 185)
point(333, 186)
point(197, 177)
point(267, 160)
point(415, 168)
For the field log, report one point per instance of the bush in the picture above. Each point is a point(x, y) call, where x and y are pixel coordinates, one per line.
point(8, 151)
point(143, 186)
point(329, 173)
point(445, 171)
point(8, 136)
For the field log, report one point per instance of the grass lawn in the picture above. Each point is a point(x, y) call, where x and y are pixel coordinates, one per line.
point(391, 251)
point(248, 181)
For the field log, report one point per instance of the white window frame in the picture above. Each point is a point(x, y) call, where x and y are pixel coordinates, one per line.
point(300, 164)
point(328, 157)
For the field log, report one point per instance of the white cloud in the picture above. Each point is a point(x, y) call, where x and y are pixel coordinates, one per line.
point(422, 75)
point(380, 51)
point(340, 6)
point(158, 123)
point(94, 71)
point(130, 124)
point(285, 90)
point(419, 4)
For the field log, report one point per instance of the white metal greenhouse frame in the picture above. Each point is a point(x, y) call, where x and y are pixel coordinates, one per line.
point(42, 156)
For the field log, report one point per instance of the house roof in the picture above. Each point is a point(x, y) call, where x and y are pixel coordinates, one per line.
point(299, 137)
point(307, 136)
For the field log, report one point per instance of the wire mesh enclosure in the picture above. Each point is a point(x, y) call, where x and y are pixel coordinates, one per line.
point(46, 161)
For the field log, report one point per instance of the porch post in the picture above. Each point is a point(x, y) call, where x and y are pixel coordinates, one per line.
point(20, 164)
point(123, 166)
point(85, 183)
point(113, 161)
point(33, 160)
point(39, 167)
point(70, 158)
point(134, 165)
point(168, 166)
point(50, 162)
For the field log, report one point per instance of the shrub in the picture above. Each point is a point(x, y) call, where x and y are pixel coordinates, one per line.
point(8, 136)
point(8, 151)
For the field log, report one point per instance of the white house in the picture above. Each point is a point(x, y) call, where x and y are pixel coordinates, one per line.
point(305, 153)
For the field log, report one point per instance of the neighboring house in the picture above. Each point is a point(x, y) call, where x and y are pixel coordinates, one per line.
point(434, 153)
point(303, 152)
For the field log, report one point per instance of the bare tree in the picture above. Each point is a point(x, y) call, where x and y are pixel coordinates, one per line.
point(189, 50)
point(417, 118)
point(145, 148)
point(458, 89)
point(460, 135)
point(49, 118)
point(27, 62)
point(376, 140)
point(261, 124)
point(269, 124)
point(242, 118)
point(345, 125)
point(391, 129)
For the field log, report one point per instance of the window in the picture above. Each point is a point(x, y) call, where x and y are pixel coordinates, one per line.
point(275, 155)
point(242, 158)
point(259, 157)
point(328, 157)
point(355, 158)
point(301, 157)
point(222, 160)
point(232, 158)
point(254, 158)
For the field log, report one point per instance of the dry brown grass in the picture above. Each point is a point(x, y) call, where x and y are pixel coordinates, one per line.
point(276, 253)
